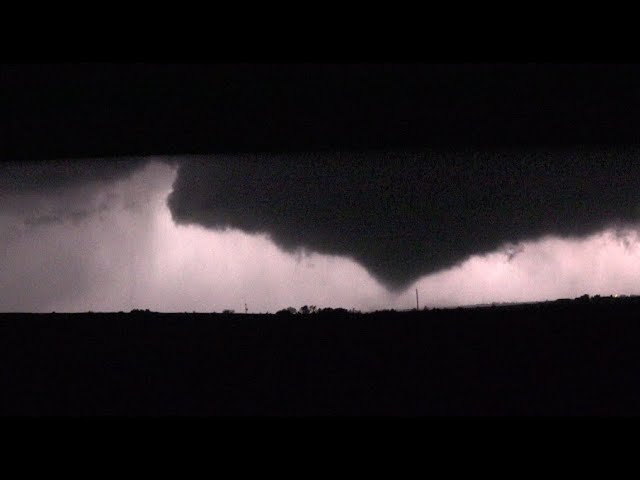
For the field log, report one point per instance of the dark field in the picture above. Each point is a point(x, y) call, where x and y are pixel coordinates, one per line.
point(575, 357)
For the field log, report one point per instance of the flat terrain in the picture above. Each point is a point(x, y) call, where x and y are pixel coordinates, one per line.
point(569, 357)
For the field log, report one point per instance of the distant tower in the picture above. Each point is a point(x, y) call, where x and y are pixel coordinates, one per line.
point(246, 310)
point(417, 304)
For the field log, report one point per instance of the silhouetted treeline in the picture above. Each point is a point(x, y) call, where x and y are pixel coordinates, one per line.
point(312, 309)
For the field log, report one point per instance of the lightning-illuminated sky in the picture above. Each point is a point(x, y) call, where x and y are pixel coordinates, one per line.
point(184, 234)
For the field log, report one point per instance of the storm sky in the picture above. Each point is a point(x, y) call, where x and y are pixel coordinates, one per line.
point(348, 229)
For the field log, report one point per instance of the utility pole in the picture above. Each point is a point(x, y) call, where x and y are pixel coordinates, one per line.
point(246, 310)
point(417, 304)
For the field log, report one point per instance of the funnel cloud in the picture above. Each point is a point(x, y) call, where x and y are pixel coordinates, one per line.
point(403, 215)
point(279, 231)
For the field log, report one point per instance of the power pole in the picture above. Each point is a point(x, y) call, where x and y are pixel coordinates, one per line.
point(246, 310)
point(417, 304)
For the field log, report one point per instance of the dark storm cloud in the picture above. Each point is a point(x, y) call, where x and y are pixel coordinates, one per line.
point(59, 191)
point(402, 215)
point(45, 176)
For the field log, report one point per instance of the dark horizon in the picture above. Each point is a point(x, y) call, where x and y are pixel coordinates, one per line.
point(557, 358)
point(341, 308)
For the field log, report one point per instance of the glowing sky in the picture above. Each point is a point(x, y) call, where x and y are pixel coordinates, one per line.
point(120, 249)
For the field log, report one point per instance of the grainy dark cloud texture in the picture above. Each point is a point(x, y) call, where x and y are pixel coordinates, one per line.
point(108, 240)
point(57, 175)
point(406, 214)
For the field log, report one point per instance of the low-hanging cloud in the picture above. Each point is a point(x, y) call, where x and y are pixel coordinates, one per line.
point(60, 191)
point(406, 214)
point(54, 176)
point(114, 245)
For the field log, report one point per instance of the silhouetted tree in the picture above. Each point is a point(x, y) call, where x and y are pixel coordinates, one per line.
point(331, 311)
point(287, 311)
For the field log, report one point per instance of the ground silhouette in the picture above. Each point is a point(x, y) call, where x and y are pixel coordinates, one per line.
point(568, 357)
